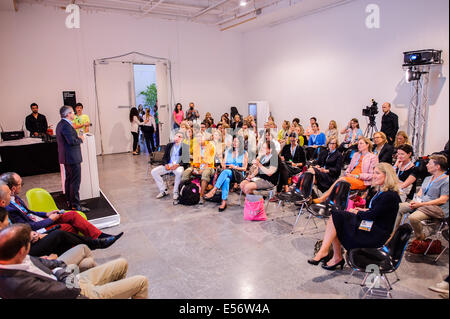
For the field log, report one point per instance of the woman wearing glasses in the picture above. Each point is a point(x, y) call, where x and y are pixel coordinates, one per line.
point(328, 166)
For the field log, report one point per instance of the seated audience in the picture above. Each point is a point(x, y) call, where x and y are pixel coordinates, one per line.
point(271, 122)
point(234, 165)
point(36, 123)
point(352, 134)
point(205, 131)
point(431, 200)
point(22, 276)
point(283, 134)
point(360, 171)
point(332, 130)
point(327, 168)
point(362, 227)
point(209, 118)
point(315, 141)
point(382, 148)
point(292, 161)
point(57, 241)
point(406, 171)
point(202, 163)
point(237, 123)
point(269, 136)
point(400, 139)
point(69, 221)
point(175, 159)
point(264, 171)
point(309, 129)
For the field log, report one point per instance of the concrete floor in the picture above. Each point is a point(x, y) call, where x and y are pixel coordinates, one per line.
point(197, 252)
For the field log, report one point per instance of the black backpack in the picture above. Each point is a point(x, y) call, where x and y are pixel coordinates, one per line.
point(189, 193)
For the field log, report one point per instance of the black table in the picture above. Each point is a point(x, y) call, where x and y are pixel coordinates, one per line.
point(27, 160)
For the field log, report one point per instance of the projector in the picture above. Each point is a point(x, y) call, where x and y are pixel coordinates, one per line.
point(422, 57)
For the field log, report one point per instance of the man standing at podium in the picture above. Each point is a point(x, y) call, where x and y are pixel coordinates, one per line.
point(69, 153)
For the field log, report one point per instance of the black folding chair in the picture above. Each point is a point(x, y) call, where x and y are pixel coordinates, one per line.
point(303, 194)
point(377, 262)
point(337, 200)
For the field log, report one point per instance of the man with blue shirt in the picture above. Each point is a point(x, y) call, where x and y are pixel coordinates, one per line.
point(172, 162)
point(432, 199)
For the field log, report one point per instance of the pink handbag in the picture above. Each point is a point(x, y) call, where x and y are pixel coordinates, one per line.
point(254, 210)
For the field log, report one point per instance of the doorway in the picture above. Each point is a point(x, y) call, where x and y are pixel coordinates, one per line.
point(145, 93)
point(118, 90)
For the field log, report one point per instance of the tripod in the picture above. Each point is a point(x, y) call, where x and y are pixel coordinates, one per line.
point(371, 127)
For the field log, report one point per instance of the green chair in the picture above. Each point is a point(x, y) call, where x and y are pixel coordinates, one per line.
point(39, 200)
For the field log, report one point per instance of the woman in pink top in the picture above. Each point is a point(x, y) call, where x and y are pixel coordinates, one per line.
point(178, 116)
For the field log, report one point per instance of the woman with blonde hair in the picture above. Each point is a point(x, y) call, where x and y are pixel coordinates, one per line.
point(283, 134)
point(383, 149)
point(362, 227)
point(332, 130)
point(401, 138)
point(360, 171)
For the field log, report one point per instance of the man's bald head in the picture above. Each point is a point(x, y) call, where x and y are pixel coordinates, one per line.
point(5, 194)
point(14, 242)
point(386, 107)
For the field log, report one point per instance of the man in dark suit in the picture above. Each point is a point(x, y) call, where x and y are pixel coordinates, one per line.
point(389, 123)
point(36, 123)
point(69, 153)
point(22, 276)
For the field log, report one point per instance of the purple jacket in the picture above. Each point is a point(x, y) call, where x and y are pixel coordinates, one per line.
point(17, 216)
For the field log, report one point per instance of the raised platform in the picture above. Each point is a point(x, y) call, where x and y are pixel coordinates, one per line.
point(102, 213)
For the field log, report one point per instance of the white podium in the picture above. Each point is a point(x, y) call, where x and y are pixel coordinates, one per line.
point(89, 187)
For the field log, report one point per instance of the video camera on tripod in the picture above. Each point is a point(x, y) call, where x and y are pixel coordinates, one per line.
point(370, 112)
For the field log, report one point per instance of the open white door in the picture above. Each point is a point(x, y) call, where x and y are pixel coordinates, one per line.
point(164, 113)
point(115, 98)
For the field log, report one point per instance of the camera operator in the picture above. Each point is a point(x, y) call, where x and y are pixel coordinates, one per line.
point(389, 123)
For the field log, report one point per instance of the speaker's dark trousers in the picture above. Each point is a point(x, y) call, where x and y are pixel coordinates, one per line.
point(72, 185)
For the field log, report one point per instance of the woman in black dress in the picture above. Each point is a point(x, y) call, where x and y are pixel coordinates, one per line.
point(329, 166)
point(362, 227)
point(406, 171)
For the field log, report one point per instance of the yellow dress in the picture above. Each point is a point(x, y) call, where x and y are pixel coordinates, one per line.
point(83, 119)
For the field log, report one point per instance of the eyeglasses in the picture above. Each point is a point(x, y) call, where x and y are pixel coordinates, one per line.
point(332, 143)
point(21, 184)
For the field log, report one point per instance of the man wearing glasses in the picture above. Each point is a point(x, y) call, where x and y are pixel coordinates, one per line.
point(69, 153)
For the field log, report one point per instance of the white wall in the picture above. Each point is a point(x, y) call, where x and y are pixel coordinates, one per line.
point(329, 65)
point(40, 58)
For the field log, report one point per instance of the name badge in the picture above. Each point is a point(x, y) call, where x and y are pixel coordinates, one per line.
point(366, 225)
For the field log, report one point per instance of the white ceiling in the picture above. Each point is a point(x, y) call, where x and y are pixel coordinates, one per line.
point(222, 14)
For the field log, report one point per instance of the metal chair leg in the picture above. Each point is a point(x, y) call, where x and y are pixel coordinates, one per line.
point(437, 235)
point(440, 254)
point(298, 216)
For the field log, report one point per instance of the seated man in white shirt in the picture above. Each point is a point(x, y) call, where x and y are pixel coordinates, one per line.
point(22, 276)
point(175, 158)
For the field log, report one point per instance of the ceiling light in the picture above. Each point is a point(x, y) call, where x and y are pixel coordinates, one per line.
point(243, 3)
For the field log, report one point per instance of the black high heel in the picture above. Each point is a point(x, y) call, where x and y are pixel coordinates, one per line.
point(222, 209)
point(316, 262)
point(335, 266)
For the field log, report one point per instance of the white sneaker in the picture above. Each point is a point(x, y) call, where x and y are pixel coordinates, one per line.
point(161, 195)
point(175, 196)
point(440, 287)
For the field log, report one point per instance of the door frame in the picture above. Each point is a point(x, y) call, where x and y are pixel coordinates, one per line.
point(133, 58)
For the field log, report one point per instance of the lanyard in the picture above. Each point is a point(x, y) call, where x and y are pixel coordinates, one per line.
point(400, 172)
point(325, 166)
point(376, 195)
point(431, 183)
point(357, 162)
